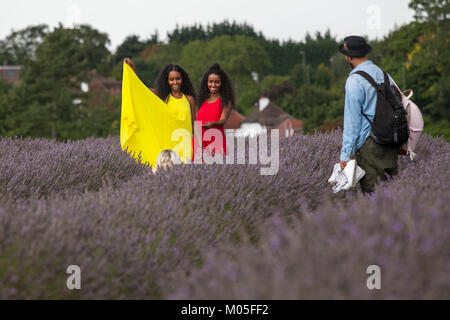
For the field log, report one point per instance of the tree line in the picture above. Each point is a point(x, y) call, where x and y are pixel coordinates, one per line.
point(305, 78)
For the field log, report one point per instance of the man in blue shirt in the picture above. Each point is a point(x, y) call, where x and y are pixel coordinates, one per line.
point(361, 97)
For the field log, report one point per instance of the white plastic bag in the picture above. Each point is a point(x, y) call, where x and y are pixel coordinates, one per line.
point(347, 178)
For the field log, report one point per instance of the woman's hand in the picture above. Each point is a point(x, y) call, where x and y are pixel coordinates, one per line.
point(130, 63)
point(209, 124)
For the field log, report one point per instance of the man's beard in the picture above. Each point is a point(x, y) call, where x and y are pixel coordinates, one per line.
point(351, 65)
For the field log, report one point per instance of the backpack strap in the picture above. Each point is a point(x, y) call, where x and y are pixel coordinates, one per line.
point(386, 79)
point(397, 95)
point(366, 76)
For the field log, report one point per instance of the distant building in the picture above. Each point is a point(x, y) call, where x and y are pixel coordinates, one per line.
point(99, 83)
point(101, 90)
point(10, 73)
point(234, 121)
point(104, 92)
point(268, 115)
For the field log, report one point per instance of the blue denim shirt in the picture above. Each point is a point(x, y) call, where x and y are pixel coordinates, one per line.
point(359, 94)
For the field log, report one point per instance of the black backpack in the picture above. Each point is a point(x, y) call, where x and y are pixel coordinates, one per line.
point(390, 125)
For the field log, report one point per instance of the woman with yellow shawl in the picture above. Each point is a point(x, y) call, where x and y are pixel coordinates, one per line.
point(158, 119)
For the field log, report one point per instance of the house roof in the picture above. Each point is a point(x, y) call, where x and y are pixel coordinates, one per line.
point(97, 80)
point(271, 116)
point(7, 67)
point(234, 121)
point(108, 83)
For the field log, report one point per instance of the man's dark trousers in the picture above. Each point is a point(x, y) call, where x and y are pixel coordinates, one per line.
point(378, 161)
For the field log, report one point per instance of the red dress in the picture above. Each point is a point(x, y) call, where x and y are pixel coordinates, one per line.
point(211, 112)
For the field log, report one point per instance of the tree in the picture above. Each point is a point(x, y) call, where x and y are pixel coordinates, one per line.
point(240, 56)
point(339, 69)
point(322, 77)
point(93, 45)
point(321, 48)
point(43, 103)
point(297, 75)
point(5, 89)
point(271, 81)
point(285, 55)
point(131, 47)
point(431, 10)
point(150, 61)
point(185, 34)
point(20, 46)
point(231, 29)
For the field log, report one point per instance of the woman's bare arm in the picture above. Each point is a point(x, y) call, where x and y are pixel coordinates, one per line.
point(131, 64)
point(226, 112)
point(196, 133)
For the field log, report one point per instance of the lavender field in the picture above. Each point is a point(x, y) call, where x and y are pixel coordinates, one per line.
point(218, 231)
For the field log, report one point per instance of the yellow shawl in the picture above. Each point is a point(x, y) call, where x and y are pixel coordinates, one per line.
point(148, 125)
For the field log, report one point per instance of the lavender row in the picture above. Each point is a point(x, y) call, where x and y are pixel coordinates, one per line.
point(42, 167)
point(403, 229)
point(151, 236)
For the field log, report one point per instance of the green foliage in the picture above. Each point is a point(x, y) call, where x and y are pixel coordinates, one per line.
point(320, 49)
point(437, 128)
point(98, 122)
point(247, 98)
point(428, 68)
point(48, 101)
point(415, 55)
point(20, 46)
point(185, 34)
point(297, 75)
point(132, 46)
point(339, 69)
point(150, 61)
point(329, 125)
point(430, 10)
point(284, 56)
point(322, 77)
point(392, 51)
point(271, 81)
point(93, 45)
point(100, 116)
point(305, 78)
point(314, 105)
point(5, 89)
point(240, 56)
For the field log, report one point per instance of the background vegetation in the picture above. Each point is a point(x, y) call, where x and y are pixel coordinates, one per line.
point(305, 78)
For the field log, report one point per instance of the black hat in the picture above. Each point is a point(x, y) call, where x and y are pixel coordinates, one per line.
point(355, 46)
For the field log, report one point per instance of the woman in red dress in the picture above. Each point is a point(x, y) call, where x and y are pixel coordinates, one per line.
point(215, 101)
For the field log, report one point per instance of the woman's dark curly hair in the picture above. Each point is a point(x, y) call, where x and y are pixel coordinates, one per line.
point(226, 89)
point(162, 84)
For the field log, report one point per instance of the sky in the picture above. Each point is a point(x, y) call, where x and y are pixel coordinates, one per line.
point(276, 19)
